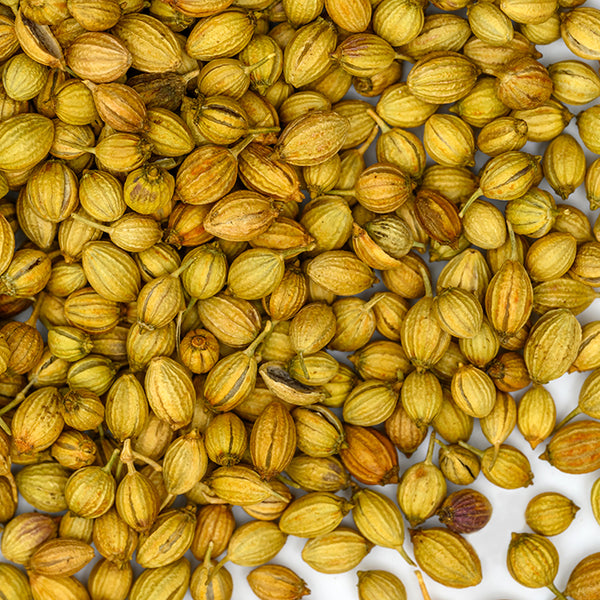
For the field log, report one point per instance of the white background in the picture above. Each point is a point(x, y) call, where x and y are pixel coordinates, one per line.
point(581, 539)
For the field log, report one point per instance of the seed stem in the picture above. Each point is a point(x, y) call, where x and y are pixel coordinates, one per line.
point(35, 313)
point(430, 448)
point(399, 383)
point(303, 365)
point(126, 456)
point(291, 252)
point(241, 145)
point(372, 302)
point(474, 450)
point(424, 591)
point(405, 556)
point(218, 566)
point(279, 496)
point(478, 192)
point(405, 57)
point(208, 553)
point(111, 461)
point(168, 498)
point(341, 192)
point(91, 223)
point(185, 264)
point(251, 349)
point(205, 489)
point(576, 411)
point(249, 68)
point(180, 316)
point(367, 143)
point(380, 122)
point(495, 456)
point(264, 130)
point(119, 471)
point(54, 254)
point(189, 76)
point(164, 162)
point(555, 591)
point(147, 460)
point(16, 401)
point(287, 481)
point(90, 85)
point(426, 280)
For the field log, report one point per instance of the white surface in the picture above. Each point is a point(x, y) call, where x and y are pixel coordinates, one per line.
point(581, 539)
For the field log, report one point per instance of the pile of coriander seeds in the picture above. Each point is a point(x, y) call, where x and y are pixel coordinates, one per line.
point(298, 273)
